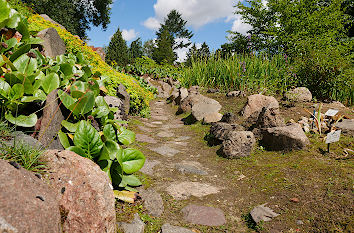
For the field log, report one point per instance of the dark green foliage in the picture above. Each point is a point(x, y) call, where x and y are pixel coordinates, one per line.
point(117, 50)
point(164, 52)
point(191, 55)
point(314, 34)
point(176, 26)
point(76, 16)
point(203, 53)
point(136, 49)
point(238, 44)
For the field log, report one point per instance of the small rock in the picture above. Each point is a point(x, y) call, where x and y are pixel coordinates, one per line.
point(115, 102)
point(299, 222)
point(212, 90)
point(294, 199)
point(137, 226)
point(124, 96)
point(347, 126)
point(233, 94)
point(183, 190)
point(168, 228)
point(229, 118)
point(204, 107)
point(270, 117)
point(204, 215)
point(183, 93)
point(152, 202)
point(220, 130)
point(52, 44)
point(299, 94)
point(159, 118)
point(165, 134)
point(263, 213)
point(255, 105)
point(149, 166)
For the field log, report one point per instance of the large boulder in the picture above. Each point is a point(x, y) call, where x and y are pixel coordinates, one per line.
point(27, 203)
point(188, 102)
point(299, 94)
point(220, 130)
point(46, 17)
point(290, 137)
point(22, 138)
point(255, 105)
point(85, 193)
point(212, 117)
point(238, 144)
point(124, 96)
point(52, 44)
point(204, 107)
point(182, 94)
point(270, 117)
point(51, 122)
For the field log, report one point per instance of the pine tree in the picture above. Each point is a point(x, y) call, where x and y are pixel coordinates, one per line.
point(191, 55)
point(118, 50)
point(149, 47)
point(204, 52)
point(164, 52)
point(136, 49)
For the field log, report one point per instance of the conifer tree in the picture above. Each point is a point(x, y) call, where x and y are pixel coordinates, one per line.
point(136, 49)
point(117, 50)
point(164, 52)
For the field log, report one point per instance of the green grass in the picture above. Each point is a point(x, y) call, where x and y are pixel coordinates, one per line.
point(24, 155)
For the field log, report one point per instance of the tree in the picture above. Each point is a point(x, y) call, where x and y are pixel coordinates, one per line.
point(136, 49)
point(191, 55)
point(204, 51)
point(148, 48)
point(75, 15)
point(164, 52)
point(238, 43)
point(117, 50)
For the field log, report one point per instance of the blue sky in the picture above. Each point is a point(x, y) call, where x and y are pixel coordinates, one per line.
point(208, 19)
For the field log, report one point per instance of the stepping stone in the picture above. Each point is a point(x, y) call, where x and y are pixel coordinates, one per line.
point(190, 167)
point(165, 150)
point(165, 134)
point(170, 126)
point(157, 123)
point(183, 190)
point(168, 228)
point(204, 215)
point(183, 138)
point(160, 103)
point(145, 138)
point(137, 226)
point(160, 118)
point(150, 125)
point(148, 167)
point(180, 143)
point(152, 202)
point(145, 129)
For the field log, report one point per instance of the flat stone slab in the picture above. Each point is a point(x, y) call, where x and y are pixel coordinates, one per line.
point(137, 226)
point(159, 118)
point(183, 190)
point(204, 215)
point(153, 202)
point(145, 129)
point(148, 167)
point(180, 143)
point(165, 150)
point(157, 123)
point(160, 103)
point(168, 228)
point(165, 134)
point(150, 125)
point(190, 167)
point(182, 138)
point(145, 138)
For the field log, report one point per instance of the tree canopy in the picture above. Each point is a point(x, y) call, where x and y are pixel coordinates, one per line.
point(136, 49)
point(75, 15)
point(117, 50)
point(164, 51)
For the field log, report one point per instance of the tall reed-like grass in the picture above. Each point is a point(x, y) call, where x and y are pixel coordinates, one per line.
point(250, 73)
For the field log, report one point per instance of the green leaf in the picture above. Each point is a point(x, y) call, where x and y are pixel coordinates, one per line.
point(50, 82)
point(40, 95)
point(109, 132)
point(102, 107)
point(116, 173)
point(16, 91)
point(131, 160)
point(131, 180)
point(66, 99)
point(28, 99)
point(21, 63)
point(63, 139)
point(110, 151)
point(22, 120)
point(4, 88)
point(84, 104)
point(78, 89)
point(14, 19)
point(67, 69)
point(11, 43)
point(126, 136)
point(22, 50)
point(105, 165)
point(5, 11)
point(87, 138)
point(78, 151)
point(71, 127)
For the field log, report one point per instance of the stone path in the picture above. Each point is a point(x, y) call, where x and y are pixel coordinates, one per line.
point(185, 188)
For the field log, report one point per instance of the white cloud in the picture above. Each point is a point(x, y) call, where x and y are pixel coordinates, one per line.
point(239, 26)
point(152, 23)
point(196, 12)
point(182, 53)
point(129, 35)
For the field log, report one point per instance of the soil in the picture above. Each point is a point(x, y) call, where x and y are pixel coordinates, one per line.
point(320, 183)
